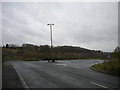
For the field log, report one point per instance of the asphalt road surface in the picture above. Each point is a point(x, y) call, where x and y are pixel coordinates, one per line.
point(63, 74)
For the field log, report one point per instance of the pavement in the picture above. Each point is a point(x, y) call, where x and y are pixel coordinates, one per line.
point(63, 74)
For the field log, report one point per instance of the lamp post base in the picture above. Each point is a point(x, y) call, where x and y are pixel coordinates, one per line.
point(51, 61)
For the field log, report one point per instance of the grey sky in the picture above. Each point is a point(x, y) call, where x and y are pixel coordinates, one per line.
point(92, 25)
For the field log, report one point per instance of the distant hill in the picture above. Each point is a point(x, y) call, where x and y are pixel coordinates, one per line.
point(44, 52)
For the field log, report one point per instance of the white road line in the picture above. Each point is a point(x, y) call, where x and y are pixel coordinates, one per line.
point(98, 85)
point(62, 64)
point(21, 78)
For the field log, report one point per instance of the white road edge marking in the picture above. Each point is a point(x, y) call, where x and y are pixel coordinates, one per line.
point(21, 78)
point(99, 85)
point(62, 64)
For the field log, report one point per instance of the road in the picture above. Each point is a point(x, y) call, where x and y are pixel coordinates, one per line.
point(63, 74)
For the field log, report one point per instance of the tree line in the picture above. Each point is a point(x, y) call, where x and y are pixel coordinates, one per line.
point(45, 52)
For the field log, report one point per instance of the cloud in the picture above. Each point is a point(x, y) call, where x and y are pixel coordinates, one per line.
point(92, 25)
point(0, 24)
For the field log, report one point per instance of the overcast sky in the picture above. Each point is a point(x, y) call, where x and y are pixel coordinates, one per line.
point(91, 25)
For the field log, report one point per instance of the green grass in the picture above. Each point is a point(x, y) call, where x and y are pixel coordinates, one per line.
point(112, 67)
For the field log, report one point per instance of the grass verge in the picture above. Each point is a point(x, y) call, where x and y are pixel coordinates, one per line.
point(111, 67)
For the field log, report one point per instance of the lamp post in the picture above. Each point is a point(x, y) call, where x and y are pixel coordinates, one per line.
point(51, 40)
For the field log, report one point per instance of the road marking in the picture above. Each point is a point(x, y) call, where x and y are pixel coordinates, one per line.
point(62, 64)
point(98, 85)
point(21, 78)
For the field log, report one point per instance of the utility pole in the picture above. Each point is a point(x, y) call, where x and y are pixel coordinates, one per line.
point(51, 41)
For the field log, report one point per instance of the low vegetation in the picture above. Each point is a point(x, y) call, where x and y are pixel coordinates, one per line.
point(113, 66)
point(33, 52)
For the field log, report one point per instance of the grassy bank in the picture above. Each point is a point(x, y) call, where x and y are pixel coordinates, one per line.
point(111, 67)
point(28, 52)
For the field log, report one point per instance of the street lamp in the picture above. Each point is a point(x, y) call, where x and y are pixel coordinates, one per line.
point(51, 40)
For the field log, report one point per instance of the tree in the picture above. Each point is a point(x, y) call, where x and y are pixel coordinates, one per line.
point(7, 46)
point(117, 49)
point(116, 53)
